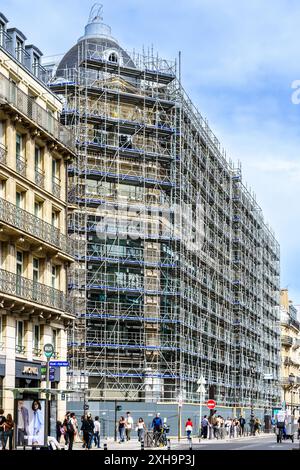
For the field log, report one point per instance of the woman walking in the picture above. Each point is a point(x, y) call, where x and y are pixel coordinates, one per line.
point(141, 428)
point(8, 432)
point(189, 428)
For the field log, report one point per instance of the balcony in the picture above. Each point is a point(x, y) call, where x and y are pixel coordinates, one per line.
point(25, 221)
point(56, 186)
point(37, 352)
point(286, 340)
point(19, 286)
point(10, 94)
point(20, 349)
point(39, 177)
point(21, 165)
point(3, 154)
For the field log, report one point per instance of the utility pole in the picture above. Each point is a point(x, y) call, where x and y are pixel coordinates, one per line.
point(201, 390)
point(48, 351)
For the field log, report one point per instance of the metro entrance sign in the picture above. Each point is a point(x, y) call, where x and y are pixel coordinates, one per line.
point(211, 404)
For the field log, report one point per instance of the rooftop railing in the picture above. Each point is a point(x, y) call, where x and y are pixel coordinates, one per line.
point(34, 226)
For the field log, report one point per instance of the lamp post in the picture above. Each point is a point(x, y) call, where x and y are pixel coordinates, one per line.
point(201, 390)
point(252, 373)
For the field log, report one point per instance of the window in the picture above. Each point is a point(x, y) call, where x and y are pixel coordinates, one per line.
point(54, 339)
point(38, 209)
point(53, 276)
point(36, 338)
point(113, 57)
point(19, 199)
point(38, 171)
point(35, 65)
point(2, 189)
point(19, 144)
point(19, 336)
point(20, 161)
point(54, 218)
point(2, 132)
point(36, 270)
point(19, 50)
point(1, 34)
point(19, 272)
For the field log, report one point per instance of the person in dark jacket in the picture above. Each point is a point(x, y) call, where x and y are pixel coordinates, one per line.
point(157, 427)
point(87, 428)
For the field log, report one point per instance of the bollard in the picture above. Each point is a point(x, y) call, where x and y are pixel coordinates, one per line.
point(105, 446)
point(190, 444)
point(168, 444)
point(142, 445)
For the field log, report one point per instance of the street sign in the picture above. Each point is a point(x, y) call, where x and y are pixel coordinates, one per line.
point(268, 376)
point(201, 389)
point(48, 350)
point(63, 396)
point(52, 374)
point(86, 407)
point(59, 364)
point(211, 404)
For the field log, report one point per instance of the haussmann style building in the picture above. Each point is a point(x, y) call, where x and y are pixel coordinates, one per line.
point(35, 250)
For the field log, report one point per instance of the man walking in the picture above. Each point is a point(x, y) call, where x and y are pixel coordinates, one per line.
point(242, 422)
point(129, 425)
point(157, 427)
point(204, 427)
point(97, 432)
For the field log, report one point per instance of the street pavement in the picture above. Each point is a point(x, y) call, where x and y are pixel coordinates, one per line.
point(260, 442)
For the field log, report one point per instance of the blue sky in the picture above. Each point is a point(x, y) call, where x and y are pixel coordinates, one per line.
point(239, 60)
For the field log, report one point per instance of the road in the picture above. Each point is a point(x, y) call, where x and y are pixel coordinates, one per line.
point(261, 442)
point(247, 443)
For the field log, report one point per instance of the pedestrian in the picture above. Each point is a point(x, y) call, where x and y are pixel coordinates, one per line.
point(256, 426)
point(189, 428)
point(2, 422)
point(96, 436)
point(204, 427)
point(242, 422)
point(157, 428)
point(69, 426)
point(251, 422)
point(129, 425)
point(214, 425)
point(76, 429)
point(59, 430)
point(227, 425)
point(65, 433)
point(222, 428)
point(236, 427)
point(8, 432)
point(121, 429)
point(141, 428)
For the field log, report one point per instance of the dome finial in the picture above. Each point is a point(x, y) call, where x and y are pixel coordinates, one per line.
point(96, 14)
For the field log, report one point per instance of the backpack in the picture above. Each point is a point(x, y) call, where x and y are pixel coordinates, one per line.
point(70, 427)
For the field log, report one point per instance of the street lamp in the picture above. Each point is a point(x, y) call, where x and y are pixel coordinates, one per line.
point(201, 390)
point(292, 380)
point(252, 373)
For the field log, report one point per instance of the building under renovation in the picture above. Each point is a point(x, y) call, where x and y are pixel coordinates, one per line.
point(176, 274)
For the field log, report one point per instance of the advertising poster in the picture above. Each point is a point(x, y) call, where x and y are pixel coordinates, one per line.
point(30, 422)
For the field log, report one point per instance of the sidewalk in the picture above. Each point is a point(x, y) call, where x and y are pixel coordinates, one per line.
point(133, 444)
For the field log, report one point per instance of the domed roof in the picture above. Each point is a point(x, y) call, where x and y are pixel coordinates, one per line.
point(98, 39)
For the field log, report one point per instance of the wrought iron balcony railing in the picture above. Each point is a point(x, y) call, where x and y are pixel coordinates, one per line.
point(20, 349)
point(56, 186)
point(3, 154)
point(21, 165)
point(19, 286)
point(39, 177)
point(37, 352)
point(10, 93)
point(34, 226)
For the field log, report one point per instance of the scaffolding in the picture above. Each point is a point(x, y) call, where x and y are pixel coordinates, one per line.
point(176, 273)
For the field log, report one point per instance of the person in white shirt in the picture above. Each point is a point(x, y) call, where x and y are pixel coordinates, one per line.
point(128, 425)
point(96, 436)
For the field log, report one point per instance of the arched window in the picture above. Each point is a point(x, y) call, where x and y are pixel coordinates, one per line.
point(113, 57)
